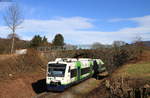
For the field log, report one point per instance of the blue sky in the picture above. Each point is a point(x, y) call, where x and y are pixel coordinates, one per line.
point(83, 21)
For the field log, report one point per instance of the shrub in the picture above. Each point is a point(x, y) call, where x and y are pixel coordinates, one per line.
point(113, 57)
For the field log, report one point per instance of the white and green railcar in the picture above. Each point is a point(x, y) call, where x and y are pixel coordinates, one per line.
point(64, 72)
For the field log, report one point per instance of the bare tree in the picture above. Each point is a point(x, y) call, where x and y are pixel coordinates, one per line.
point(97, 45)
point(139, 45)
point(15, 36)
point(119, 43)
point(13, 19)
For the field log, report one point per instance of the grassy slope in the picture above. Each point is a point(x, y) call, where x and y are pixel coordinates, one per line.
point(140, 69)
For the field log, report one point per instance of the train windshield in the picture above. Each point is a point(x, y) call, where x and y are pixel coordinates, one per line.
point(56, 70)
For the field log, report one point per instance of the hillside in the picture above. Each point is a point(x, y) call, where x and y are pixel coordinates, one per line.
point(21, 71)
point(140, 69)
point(132, 80)
point(5, 45)
point(146, 43)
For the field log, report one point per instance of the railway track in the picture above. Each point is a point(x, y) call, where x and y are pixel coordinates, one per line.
point(45, 95)
point(78, 90)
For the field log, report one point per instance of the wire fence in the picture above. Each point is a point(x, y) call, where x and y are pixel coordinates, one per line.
point(66, 47)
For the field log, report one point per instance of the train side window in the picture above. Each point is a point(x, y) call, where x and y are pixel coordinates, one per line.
point(85, 70)
point(73, 73)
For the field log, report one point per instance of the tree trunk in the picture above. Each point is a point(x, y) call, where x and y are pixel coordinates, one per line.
point(13, 40)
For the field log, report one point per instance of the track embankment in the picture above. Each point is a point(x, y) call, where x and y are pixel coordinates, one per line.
point(76, 91)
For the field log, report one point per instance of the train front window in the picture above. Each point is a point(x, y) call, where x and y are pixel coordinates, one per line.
point(56, 70)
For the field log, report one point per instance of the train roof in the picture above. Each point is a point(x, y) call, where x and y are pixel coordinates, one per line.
point(70, 60)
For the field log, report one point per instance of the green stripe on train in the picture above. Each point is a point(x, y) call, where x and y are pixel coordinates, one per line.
point(78, 64)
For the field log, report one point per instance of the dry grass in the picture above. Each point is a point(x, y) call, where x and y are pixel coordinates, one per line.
point(139, 70)
point(17, 64)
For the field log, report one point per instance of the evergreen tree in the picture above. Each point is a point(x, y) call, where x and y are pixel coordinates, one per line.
point(36, 41)
point(58, 40)
point(44, 41)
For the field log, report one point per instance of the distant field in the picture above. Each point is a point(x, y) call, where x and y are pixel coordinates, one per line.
point(139, 70)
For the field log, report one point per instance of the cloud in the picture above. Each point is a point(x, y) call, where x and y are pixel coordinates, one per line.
point(142, 29)
point(59, 24)
point(142, 21)
point(143, 25)
point(51, 26)
point(4, 31)
point(79, 30)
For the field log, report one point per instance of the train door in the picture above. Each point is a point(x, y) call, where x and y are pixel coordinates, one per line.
point(78, 72)
point(78, 66)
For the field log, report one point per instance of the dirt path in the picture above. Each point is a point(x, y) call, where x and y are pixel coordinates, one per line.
point(3, 57)
point(34, 86)
point(7, 56)
point(76, 91)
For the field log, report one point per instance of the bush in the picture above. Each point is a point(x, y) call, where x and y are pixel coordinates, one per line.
point(16, 64)
point(113, 57)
